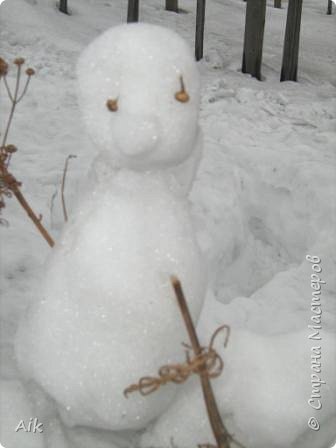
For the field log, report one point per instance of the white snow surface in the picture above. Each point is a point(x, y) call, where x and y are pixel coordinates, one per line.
point(16, 406)
point(107, 307)
point(263, 199)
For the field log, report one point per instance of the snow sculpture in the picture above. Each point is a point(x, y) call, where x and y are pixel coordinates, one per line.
point(107, 314)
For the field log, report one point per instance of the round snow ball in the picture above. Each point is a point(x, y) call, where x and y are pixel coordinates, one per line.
point(131, 82)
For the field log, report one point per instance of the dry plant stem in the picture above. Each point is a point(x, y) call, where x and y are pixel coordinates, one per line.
point(8, 89)
point(221, 434)
point(65, 214)
point(14, 102)
point(24, 91)
point(36, 220)
point(14, 186)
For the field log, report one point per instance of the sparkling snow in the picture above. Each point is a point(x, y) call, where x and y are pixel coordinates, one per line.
point(263, 199)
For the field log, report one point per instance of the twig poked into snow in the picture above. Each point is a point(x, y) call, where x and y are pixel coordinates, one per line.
point(65, 170)
point(206, 363)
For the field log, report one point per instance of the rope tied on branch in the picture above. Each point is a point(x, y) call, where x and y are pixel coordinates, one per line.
point(207, 361)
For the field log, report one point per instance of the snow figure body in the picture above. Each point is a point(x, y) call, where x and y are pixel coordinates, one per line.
point(107, 314)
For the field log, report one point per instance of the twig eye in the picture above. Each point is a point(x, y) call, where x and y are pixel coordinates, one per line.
point(182, 95)
point(112, 104)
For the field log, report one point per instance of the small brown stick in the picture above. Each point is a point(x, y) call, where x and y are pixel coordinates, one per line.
point(65, 214)
point(36, 220)
point(221, 434)
point(13, 186)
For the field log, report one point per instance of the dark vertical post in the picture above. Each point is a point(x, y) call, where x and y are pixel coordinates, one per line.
point(63, 6)
point(277, 3)
point(133, 11)
point(199, 35)
point(329, 10)
point(172, 5)
point(292, 40)
point(254, 37)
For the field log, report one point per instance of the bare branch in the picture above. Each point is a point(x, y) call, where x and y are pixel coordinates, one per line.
point(221, 434)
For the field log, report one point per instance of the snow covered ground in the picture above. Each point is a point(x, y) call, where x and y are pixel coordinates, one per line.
point(264, 198)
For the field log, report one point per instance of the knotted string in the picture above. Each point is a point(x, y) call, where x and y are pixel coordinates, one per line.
point(208, 361)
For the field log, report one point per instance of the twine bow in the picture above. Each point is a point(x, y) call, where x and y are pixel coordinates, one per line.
point(208, 360)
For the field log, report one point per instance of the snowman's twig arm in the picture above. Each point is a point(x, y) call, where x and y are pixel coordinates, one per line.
point(221, 434)
point(206, 363)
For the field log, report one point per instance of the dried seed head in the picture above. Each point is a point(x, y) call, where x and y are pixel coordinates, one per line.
point(112, 104)
point(30, 71)
point(10, 149)
point(19, 61)
point(3, 67)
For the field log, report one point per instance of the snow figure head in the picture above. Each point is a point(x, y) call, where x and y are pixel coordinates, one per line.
point(139, 93)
